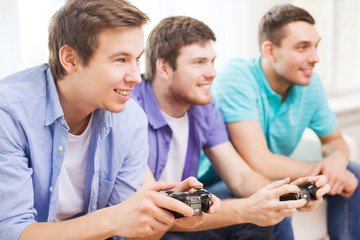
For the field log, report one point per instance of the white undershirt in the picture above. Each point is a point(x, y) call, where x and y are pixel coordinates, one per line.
point(72, 175)
point(178, 147)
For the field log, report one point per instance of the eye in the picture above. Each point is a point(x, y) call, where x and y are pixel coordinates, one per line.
point(120, 60)
point(302, 47)
point(137, 59)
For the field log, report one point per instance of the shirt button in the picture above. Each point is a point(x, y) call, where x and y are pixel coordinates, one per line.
point(61, 148)
point(55, 121)
point(51, 189)
point(62, 121)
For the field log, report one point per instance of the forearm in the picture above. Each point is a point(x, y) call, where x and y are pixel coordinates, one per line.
point(278, 166)
point(91, 226)
point(336, 148)
point(251, 182)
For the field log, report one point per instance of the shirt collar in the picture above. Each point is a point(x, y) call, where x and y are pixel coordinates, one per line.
point(151, 106)
point(53, 107)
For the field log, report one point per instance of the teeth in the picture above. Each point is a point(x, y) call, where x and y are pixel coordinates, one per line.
point(123, 92)
point(204, 86)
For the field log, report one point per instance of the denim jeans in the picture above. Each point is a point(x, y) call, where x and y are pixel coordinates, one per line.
point(343, 215)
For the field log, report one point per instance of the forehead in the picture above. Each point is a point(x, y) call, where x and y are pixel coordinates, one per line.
point(197, 50)
point(112, 41)
point(299, 31)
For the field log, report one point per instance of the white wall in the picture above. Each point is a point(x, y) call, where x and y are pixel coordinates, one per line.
point(10, 37)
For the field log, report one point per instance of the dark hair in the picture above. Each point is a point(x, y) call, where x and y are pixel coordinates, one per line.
point(169, 36)
point(79, 22)
point(272, 23)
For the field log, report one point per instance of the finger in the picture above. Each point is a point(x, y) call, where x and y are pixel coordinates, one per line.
point(215, 204)
point(323, 190)
point(311, 205)
point(283, 205)
point(346, 194)
point(172, 204)
point(163, 220)
point(336, 188)
point(278, 183)
point(301, 181)
point(159, 186)
point(316, 170)
point(187, 184)
point(285, 189)
point(319, 180)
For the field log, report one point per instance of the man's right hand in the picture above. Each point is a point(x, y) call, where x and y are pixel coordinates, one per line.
point(264, 207)
point(146, 212)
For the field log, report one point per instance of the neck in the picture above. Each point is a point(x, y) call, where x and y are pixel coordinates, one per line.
point(76, 116)
point(168, 104)
point(276, 82)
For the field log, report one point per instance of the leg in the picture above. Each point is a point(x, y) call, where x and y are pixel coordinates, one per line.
point(283, 230)
point(245, 231)
point(343, 215)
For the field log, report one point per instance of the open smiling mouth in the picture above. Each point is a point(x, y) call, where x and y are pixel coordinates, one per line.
point(122, 92)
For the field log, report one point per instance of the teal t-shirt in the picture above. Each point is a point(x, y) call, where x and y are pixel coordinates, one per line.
point(242, 92)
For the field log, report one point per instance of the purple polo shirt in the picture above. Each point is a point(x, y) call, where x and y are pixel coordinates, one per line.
point(206, 130)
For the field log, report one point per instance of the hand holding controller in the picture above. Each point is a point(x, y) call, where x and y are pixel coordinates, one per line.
point(200, 200)
point(307, 192)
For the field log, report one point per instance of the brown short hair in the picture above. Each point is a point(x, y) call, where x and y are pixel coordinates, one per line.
point(171, 34)
point(272, 23)
point(79, 22)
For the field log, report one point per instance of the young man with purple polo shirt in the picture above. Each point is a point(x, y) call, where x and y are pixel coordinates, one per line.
point(183, 121)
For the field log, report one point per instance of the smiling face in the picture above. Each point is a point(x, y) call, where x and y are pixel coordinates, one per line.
point(191, 81)
point(295, 58)
point(112, 71)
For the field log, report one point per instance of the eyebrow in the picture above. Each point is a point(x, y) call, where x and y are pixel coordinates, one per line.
point(121, 53)
point(203, 58)
point(308, 42)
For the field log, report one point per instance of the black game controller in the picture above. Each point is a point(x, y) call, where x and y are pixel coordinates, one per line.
point(307, 192)
point(200, 200)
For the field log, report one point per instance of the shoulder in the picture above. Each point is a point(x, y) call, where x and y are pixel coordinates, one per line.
point(205, 114)
point(23, 86)
point(236, 66)
point(234, 71)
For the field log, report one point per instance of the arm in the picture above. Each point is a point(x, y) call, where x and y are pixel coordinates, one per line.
point(250, 142)
point(262, 208)
point(334, 164)
point(141, 215)
point(242, 180)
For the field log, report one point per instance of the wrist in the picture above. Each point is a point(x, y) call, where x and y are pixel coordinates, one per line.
point(339, 157)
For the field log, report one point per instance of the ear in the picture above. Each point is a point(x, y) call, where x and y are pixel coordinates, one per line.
point(163, 68)
point(68, 59)
point(267, 49)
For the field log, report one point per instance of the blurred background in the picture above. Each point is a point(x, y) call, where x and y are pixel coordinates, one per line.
point(24, 23)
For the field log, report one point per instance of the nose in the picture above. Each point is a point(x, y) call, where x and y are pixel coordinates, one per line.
point(133, 74)
point(314, 56)
point(210, 71)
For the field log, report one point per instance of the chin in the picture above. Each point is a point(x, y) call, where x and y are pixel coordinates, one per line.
point(305, 82)
point(203, 101)
point(116, 109)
